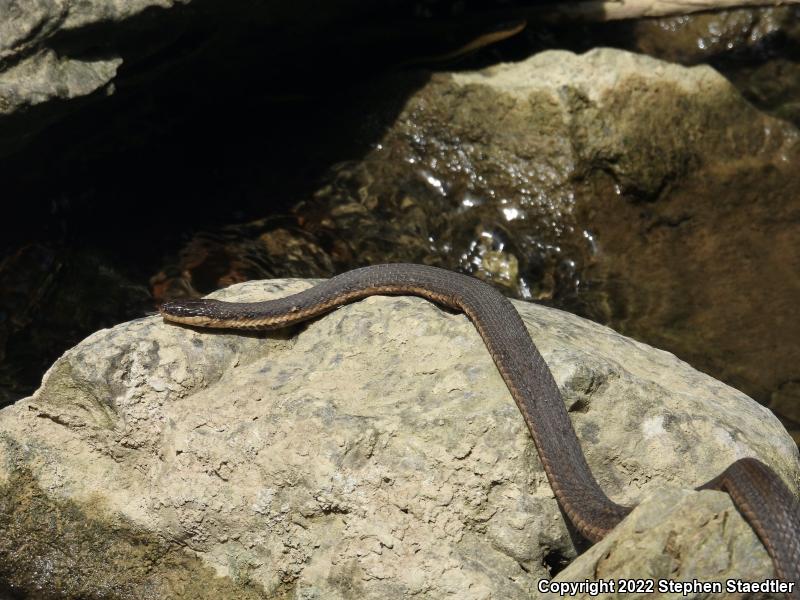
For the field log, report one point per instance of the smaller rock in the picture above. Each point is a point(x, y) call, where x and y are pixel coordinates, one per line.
point(675, 536)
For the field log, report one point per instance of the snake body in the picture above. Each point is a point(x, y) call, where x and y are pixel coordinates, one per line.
point(757, 491)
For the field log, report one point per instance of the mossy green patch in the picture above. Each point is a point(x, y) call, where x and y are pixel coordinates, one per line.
point(58, 549)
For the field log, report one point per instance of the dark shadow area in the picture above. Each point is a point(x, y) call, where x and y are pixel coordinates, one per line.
point(7, 593)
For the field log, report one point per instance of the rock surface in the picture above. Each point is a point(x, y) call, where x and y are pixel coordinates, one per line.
point(674, 536)
point(374, 453)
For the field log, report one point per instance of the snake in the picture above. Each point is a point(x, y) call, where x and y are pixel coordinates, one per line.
point(757, 491)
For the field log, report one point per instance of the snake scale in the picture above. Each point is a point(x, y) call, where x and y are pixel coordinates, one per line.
point(757, 491)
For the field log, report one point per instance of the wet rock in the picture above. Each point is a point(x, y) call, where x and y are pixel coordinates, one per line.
point(773, 86)
point(496, 163)
point(375, 451)
point(754, 48)
point(690, 39)
point(714, 282)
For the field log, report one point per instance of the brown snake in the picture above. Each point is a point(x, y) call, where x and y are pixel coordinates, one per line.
point(757, 491)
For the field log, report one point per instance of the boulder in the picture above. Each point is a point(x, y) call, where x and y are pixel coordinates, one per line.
point(372, 453)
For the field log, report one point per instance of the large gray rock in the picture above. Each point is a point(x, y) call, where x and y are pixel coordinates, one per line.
point(375, 453)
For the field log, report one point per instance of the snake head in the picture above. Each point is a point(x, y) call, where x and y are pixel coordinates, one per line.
point(191, 311)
